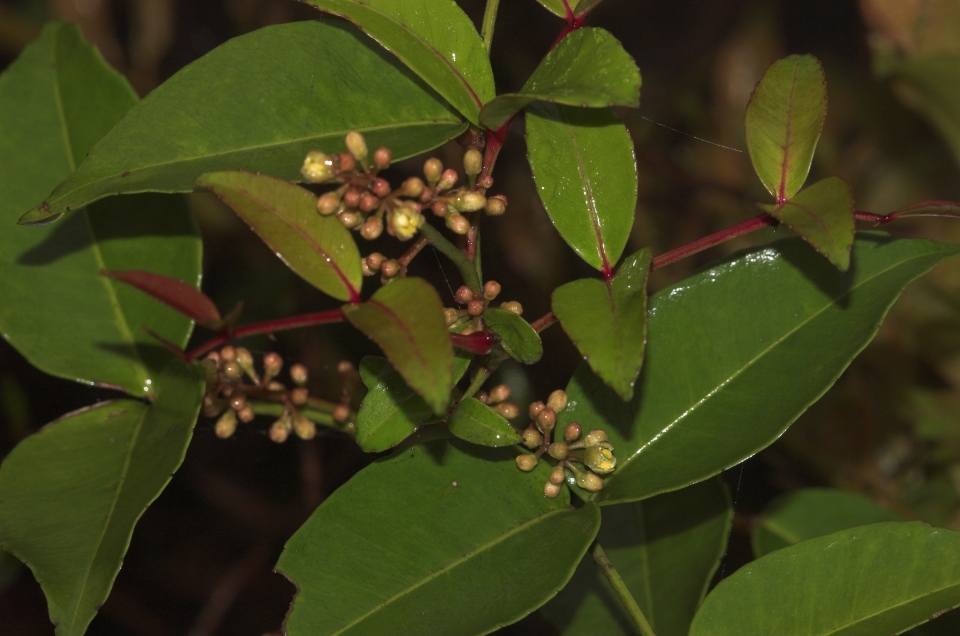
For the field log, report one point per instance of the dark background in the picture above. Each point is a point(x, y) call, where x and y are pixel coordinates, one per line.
point(201, 557)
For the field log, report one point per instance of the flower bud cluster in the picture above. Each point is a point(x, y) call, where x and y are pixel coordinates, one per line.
point(577, 459)
point(233, 380)
point(475, 305)
point(497, 398)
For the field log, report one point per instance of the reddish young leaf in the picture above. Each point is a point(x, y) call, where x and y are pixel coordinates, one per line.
point(174, 293)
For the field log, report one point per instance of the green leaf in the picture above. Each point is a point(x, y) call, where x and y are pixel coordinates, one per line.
point(436, 39)
point(260, 102)
point(477, 423)
point(405, 318)
point(588, 68)
point(391, 411)
point(517, 337)
point(284, 215)
point(665, 548)
point(72, 493)
point(444, 538)
point(784, 118)
point(607, 321)
point(813, 512)
point(56, 100)
point(823, 215)
point(577, 7)
point(721, 380)
point(878, 579)
point(586, 175)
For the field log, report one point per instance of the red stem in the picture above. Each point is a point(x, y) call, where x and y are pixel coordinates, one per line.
point(544, 321)
point(269, 326)
point(750, 225)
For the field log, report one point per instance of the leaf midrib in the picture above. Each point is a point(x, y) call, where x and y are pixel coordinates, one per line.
point(757, 357)
point(588, 194)
point(454, 564)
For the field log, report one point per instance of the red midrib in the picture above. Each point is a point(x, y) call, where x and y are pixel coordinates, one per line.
point(782, 194)
point(403, 327)
point(591, 206)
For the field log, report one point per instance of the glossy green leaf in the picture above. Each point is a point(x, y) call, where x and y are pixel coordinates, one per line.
point(588, 68)
point(722, 380)
point(517, 337)
point(877, 579)
point(665, 548)
point(784, 119)
point(476, 422)
point(435, 38)
point(405, 318)
point(260, 102)
point(607, 321)
point(438, 539)
point(71, 494)
point(813, 512)
point(284, 215)
point(56, 100)
point(586, 175)
point(577, 7)
point(823, 215)
point(391, 411)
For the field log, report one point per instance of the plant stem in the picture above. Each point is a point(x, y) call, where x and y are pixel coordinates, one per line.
point(489, 21)
point(412, 252)
point(750, 225)
point(543, 321)
point(268, 326)
point(467, 270)
point(483, 374)
point(320, 417)
point(620, 588)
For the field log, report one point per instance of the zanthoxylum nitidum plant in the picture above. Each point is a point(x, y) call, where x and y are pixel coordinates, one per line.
point(476, 514)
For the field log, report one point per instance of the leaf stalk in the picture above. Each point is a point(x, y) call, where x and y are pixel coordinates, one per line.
point(620, 588)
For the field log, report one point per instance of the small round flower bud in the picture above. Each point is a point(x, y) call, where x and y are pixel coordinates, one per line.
point(464, 294)
point(272, 363)
point(594, 437)
point(532, 438)
point(375, 260)
point(600, 458)
point(304, 428)
point(365, 268)
point(382, 157)
point(433, 170)
point(318, 167)
point(351, 198)
point(299, 396)
point(405, 221)
point(380, 187)
point(228, 354)
point(557, 475)
point(447, 180)
point(485, 182)
point(226, 425)
point(328, 203)
point(469, 201)
point(450, 316)
point(214, 356)
point(526, 463)
point(558, 450)
point(233, 371)
point(466, 331)
point(238, 400)
point(499, 393)
point(458, 223)
point(244, 358)
point(475, 307)
point(426, 195)
point(299, 374)
point(513, 306)
point(246, 414)
point(439, 208)
point(341, 413)
point(551, 490)
point(572, 432)
point(369, 202)
point(280, 430)
point(347, 162)
point(535, 409)
point(357, 145)
point(371, 229)
point(482, 397)
point(507, 410)
point(491, 289)
point(350, 220)
point(345, 368)
point(276, 387)
point(546, 419)
point(227, 391)
point(472, 162)
point(390, 268)
point(589, 481)
point(496, 205)
point(412, 187)
point(557, 400)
